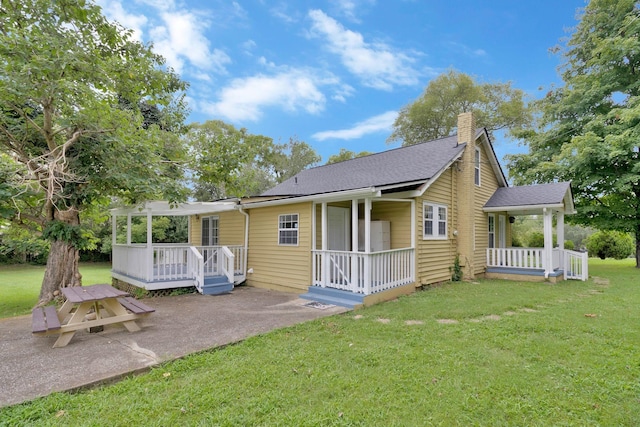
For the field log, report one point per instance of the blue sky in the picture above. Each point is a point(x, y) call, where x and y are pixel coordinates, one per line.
point(334, 73)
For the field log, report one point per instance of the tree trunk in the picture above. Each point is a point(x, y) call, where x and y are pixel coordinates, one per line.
point(62, 262)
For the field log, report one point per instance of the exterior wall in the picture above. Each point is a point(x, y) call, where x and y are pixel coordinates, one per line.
point(488, 186)
point(399, 216)
point(434, 258)
point(231, 228)
point(276, 266)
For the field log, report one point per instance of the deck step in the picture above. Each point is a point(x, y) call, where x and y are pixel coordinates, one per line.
point(216, 285)
point(333, 296)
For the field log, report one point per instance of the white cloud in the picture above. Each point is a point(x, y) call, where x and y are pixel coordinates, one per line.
point(182, 38)
point(376, 64)
point(114, 11)
point(466, 50)
point(380, 123)
point(293, 90)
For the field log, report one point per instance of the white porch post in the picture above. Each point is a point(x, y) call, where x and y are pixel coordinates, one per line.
point(149, 246)
point(548, 242)
point(413, 239)
point(128, 229)
point(354, 245)
point(114, 230)
point(367, 246)
point(314, 246)
point(560, 234)
point(325, 256)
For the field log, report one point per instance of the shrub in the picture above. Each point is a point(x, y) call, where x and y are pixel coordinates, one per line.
point(568, 244)
point(610, 244)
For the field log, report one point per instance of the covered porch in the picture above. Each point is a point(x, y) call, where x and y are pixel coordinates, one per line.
point(211, 268)
point(547, 263)
point(361, 247)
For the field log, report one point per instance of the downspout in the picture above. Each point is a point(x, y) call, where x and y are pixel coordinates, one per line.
point(246, 239)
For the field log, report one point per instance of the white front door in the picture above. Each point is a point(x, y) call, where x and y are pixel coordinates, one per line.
point(338, 236)
point(502, 231)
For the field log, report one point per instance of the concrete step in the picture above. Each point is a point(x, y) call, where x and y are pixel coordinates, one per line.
point(333, 296)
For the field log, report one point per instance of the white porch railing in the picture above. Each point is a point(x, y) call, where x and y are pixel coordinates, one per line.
point(530, 258)
point(131, 260)
point(195, 262)
point(212, 259)
point(175, 262)
point(576, 265)
point(226, 263)
point(363, 273)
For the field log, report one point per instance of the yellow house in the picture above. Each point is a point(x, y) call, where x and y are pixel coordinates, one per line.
point(363, 230)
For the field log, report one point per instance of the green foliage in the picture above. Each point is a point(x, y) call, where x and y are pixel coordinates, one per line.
point(568, 244)
point(435, 113)
point(345, 154)
point(19, 245)
point(610, 244)
point(230, 162)
point(535, 240)
point(588, 130)
point(456, 270)
point(72, 234)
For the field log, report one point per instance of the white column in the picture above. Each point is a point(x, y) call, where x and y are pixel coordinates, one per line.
point(128, 229)
point(114, 230)
point(354, 245)
point(413, 240)
point(313, 227)
point(560, 234)
point(548, 242)
point(149, 246)
point(325, 257)
point(367, 246)
point(560, 229)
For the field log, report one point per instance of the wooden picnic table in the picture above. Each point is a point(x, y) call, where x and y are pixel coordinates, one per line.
point(110, 305)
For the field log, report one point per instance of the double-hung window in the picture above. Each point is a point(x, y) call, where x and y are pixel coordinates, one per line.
point(288, 229)
point(434, 221)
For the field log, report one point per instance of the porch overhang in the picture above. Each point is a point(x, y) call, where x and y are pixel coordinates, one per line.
point(164, 208)
point(527, 210)
point(366, 192)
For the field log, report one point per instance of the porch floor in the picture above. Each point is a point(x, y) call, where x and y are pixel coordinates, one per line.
point(526, 274)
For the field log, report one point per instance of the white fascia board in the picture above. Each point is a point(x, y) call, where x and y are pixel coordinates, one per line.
point(325, 197)
point(420, 191)
point(160, 208)
point(493, 159)
point(539, 208)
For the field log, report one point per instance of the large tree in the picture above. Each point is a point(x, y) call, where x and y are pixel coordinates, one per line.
point(87, 114)
point(231, 162)
point(435, 113)
point(345, 154)
point(589, 129)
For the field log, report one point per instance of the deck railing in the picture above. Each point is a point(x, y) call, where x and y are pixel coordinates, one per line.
point(573, 263)
point(576, 265)
point(529, 258)
point(195, 262)
point(174, 262)
point(363, 273)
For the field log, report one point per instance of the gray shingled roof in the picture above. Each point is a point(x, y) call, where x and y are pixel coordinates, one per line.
point(529, 195)
point(418, 162)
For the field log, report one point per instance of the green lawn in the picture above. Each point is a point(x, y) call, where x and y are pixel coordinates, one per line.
point(20, 285)
point(484, 353)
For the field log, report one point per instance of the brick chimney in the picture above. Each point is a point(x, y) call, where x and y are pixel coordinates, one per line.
point(466, 194)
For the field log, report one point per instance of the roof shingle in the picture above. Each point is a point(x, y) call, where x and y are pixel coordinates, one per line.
point(529, 195)
point(418, 162)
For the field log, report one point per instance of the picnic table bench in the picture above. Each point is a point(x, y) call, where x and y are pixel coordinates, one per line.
point(110, 305)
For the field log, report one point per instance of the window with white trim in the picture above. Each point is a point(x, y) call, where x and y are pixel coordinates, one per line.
point(210, 231)
point(288, 229)
point(434, 218)
point(492, 230)
point(476, 176)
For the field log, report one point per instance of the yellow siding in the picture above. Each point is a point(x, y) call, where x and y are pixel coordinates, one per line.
point(399, 216)
point(435, 257)
point(488, 185)
point(230, 228)
point(275, 266)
